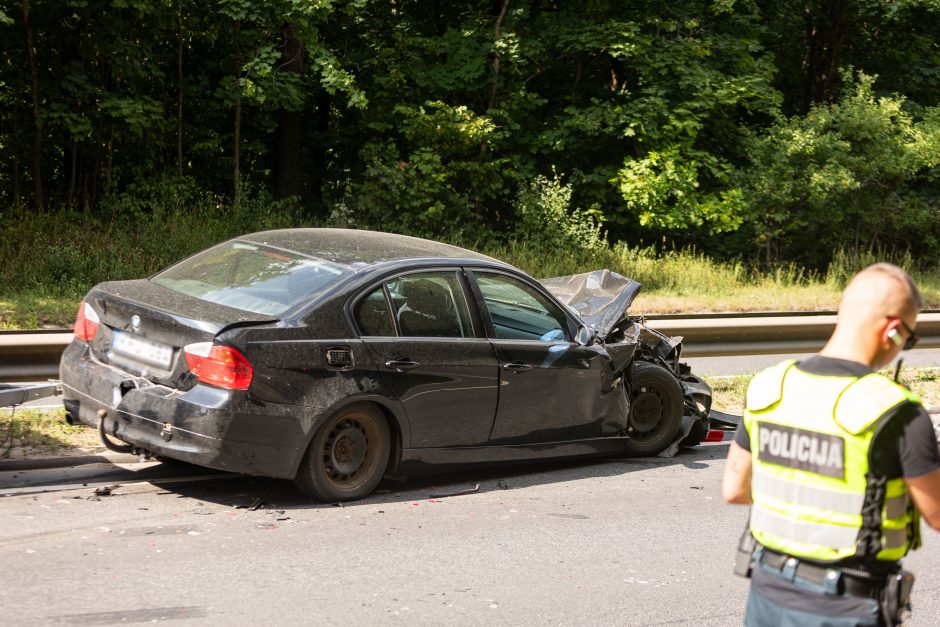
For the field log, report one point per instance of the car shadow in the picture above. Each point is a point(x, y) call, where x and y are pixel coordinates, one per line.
point(254, 493)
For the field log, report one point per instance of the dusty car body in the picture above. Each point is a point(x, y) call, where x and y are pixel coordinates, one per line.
point(335, 357)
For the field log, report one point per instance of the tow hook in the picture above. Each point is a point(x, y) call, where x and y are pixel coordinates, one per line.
point(108, 442)
point(167, 432)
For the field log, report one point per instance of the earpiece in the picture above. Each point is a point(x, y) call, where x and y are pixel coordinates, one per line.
point(895, 337)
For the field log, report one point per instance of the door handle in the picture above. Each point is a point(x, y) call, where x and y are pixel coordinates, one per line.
point(517, 366)
point(401, 365)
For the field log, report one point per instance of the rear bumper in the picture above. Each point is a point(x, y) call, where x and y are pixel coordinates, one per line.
point(207, 426)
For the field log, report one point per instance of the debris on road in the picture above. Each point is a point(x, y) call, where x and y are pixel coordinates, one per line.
point(103, 491)
point(439, 495)
point(253, 505)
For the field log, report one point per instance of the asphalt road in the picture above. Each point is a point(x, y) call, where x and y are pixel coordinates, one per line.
point(614, 542)
point(611, 542)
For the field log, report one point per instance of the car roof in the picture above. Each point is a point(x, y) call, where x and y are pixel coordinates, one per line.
point(359, 247)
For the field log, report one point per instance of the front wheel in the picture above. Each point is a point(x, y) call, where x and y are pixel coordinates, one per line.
point(655, 409)
point(347, 456)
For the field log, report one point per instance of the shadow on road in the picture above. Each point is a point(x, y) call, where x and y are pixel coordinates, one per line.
point(257, 492)
point(239, 491)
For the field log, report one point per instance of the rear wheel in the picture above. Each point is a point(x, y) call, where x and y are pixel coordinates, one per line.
point(655, 409)
point(347, 456)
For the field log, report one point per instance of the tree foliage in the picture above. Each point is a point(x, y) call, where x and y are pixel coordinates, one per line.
point(731, 125)
point(858, 173)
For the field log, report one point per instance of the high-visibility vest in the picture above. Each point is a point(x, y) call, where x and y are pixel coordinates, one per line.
point(813, 495)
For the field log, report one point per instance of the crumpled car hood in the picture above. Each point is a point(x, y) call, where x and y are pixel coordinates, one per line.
point(601, 298)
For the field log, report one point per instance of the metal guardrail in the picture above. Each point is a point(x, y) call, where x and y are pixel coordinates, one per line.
point(34, 355)
point(18, 394)
point(768, 335)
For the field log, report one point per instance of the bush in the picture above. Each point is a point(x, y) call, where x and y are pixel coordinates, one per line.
point(856, 174)
point(438, 179)
point(546, 221)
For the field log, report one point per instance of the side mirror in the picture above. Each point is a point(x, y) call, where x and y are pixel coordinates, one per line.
point(585, 336)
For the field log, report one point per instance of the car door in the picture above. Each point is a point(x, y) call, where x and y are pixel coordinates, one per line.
point(550, 386)
point(433, 356)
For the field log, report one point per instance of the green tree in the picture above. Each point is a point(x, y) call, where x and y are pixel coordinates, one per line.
point(449, 118)
point(860, 174)
point(814, 41)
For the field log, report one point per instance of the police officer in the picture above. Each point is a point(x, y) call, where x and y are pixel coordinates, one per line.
point(838, 464)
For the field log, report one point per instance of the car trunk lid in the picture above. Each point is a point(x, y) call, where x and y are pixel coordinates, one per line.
point(145, 326)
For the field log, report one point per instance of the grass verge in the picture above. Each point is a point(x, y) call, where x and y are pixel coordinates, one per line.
point(35, 433)
point(52, 259)
point(29, 310)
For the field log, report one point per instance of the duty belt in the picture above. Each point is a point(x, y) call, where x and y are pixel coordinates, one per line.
point(858, 585)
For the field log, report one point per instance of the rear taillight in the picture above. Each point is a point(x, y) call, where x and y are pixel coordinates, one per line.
point(221, 366)
point(86, 323)
point(716, 435)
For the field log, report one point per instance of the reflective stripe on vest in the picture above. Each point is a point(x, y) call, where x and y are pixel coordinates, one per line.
point(819, 533)
point(810, 443)
point(821, 498)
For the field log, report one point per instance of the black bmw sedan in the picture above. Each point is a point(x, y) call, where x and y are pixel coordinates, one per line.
point(336, 357)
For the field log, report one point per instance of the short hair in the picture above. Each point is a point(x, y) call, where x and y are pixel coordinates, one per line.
point(915, 300)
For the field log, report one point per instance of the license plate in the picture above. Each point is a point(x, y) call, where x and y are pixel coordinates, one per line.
point(141, 350)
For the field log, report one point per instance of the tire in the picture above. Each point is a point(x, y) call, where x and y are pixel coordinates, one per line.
point(656, 408)
point(347, 456)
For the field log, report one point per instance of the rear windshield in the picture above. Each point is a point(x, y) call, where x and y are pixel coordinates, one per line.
point(252, 277)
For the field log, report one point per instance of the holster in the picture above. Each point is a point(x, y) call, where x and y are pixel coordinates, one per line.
point(896, 597)
point(744, 556)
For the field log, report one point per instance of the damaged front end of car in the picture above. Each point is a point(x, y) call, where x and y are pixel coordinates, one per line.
point(662, 405)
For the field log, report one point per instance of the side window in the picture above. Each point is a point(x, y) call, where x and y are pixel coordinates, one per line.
point(430, 304)
point(373, 315)
point(518, 311)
